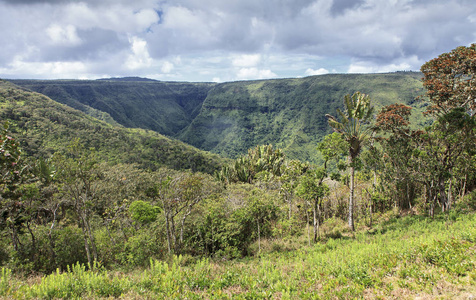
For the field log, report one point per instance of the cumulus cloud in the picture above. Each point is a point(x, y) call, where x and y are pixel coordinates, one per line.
point(227, 40)
point(139, 58)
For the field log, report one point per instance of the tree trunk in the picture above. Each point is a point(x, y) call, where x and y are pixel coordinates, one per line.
point(316, 219)
point(86, 246)
point(33, 242)
point(307, 223)
point(167, 230)
point(443, 196)
point(52, 242)
point(91, 239)
point(351, 196)
point(450, 194)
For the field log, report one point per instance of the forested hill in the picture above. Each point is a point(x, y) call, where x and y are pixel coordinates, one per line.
point(43, 126)
point(288, 113)
point(165, 107)
point(230, 118)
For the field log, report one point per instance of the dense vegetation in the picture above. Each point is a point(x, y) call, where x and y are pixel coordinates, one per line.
point(288, 113)
point(165, 107)
point(230, 118)
point(264, 225)
point(43, 127)
point(406, 258)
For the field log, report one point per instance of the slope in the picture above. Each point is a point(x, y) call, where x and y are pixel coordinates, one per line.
point(165, 107)
point(44, 126)
point(288, 113)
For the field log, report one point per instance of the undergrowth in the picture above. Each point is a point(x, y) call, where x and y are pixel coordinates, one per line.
point(400, 258)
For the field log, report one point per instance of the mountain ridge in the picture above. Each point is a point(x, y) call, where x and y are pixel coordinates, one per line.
point(231, 117)
point(44, 126)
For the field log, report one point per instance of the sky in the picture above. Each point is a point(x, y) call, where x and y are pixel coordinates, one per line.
point(226, 40)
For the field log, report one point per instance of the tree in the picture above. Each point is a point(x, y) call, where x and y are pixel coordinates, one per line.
point(355, 129)
point(12, 174)
point(79, 173)
point(311, 185)
point(450, 80)
point(178, 193)
point(313, 189)
point(398, 142)
point(263, 158)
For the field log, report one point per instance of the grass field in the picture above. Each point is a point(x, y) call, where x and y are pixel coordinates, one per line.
point(410, 257)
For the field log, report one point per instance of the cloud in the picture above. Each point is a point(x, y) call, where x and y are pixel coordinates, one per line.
point(167, 67)
point(63, 35)
point(320, 71)
point(140, 55)
point(254, 73)
point(60, 70)
point(246, 60)
point(229, 40)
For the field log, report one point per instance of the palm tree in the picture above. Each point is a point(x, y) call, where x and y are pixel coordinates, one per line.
point(356, 132)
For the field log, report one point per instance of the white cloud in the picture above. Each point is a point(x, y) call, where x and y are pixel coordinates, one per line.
point(60, 70)
point(246, 60)
point(167, 67)
point(140, 57)
point(114, 17)
point(408, 64)
point(254, 73)
point(66, 35)
point(227, 40)
point(320, 71)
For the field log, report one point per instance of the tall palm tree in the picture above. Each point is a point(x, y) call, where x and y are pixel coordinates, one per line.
point(354, 127)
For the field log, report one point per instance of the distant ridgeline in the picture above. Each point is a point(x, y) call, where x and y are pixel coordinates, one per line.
point(229, 118)
point(43, 127)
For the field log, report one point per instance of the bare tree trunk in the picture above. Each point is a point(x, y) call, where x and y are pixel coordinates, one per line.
point(450, 193)
point(172, 232)
point(167, 230)
point(86, 245)
point(91, 239)
point(50, 237)
point(316, 215)
point(33, 242)
point(351, 197)
point(443, 196)
point(308, 231)
point(182, 226)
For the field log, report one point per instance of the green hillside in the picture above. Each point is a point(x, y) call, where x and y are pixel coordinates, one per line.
point(44, 126)
point(165, 107)
point(230, 118)
point(289, 113)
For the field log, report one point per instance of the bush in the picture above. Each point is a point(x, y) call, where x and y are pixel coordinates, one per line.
point(69, 247)
point(140, 248)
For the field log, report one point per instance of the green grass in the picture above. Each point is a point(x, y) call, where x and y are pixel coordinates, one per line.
point(401, 258)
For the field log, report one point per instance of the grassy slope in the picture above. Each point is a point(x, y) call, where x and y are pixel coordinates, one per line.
point(399, 259)
point(289, 113)
point(44, 126)
point(165, 107)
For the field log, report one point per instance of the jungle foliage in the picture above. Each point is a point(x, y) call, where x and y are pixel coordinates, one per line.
point(79, 197)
